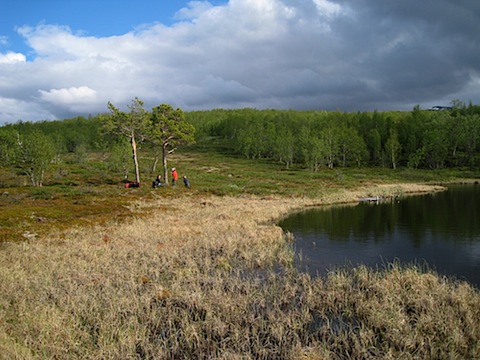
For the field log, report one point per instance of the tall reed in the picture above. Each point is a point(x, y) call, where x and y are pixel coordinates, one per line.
point(213, 277)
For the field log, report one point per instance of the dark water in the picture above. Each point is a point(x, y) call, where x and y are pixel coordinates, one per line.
point(438, 231)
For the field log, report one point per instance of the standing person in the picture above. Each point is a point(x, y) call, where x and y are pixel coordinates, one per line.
point(186, 182)
point(174, 176)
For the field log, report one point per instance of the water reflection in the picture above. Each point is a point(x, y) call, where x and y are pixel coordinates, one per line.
point(441, 231)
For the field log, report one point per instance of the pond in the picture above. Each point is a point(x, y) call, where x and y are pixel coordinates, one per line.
point(439, 231)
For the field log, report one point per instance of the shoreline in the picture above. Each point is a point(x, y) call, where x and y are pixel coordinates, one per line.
point(193, 277)
point(180, 217)
point(243, 221)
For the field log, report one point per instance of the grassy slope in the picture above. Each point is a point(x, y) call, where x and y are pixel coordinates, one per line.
point(85, 194)
point(190, 274)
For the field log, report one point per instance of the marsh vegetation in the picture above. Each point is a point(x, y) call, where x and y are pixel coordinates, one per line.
point(89, 269)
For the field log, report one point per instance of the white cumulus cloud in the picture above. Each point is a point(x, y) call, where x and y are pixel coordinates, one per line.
point(68, 96)
point(12, 57)
point(350, 55)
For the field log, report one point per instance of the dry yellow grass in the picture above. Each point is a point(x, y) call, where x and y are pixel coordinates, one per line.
point(195, 279)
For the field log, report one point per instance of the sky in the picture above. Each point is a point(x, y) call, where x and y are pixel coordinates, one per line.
point(61, 59)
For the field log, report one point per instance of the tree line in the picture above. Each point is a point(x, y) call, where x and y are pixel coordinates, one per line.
point(32, 147)
point(310, 139)
point(313, 139)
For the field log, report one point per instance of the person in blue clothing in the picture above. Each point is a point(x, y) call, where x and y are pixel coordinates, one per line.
point(186, 182)
point(157, 182)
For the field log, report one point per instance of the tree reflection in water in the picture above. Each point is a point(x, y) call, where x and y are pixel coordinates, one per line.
point(440, 230)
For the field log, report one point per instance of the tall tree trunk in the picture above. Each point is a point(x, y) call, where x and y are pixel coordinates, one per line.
point(31, 175)
point(155, 162)
point(164, 159)
point(135, 158)
point(393, 158)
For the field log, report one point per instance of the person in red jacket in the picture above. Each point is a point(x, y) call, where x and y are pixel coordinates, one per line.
point(174, 176)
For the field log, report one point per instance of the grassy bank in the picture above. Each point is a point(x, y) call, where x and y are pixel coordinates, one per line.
point(86, 193)
point(206, 273)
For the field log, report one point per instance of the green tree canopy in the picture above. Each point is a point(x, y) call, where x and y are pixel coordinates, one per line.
point(168, 129)
point(34, 153)
point(131, 125)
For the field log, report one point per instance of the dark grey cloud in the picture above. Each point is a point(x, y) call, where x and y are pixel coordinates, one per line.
point(350, 55)
point(419, 51)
